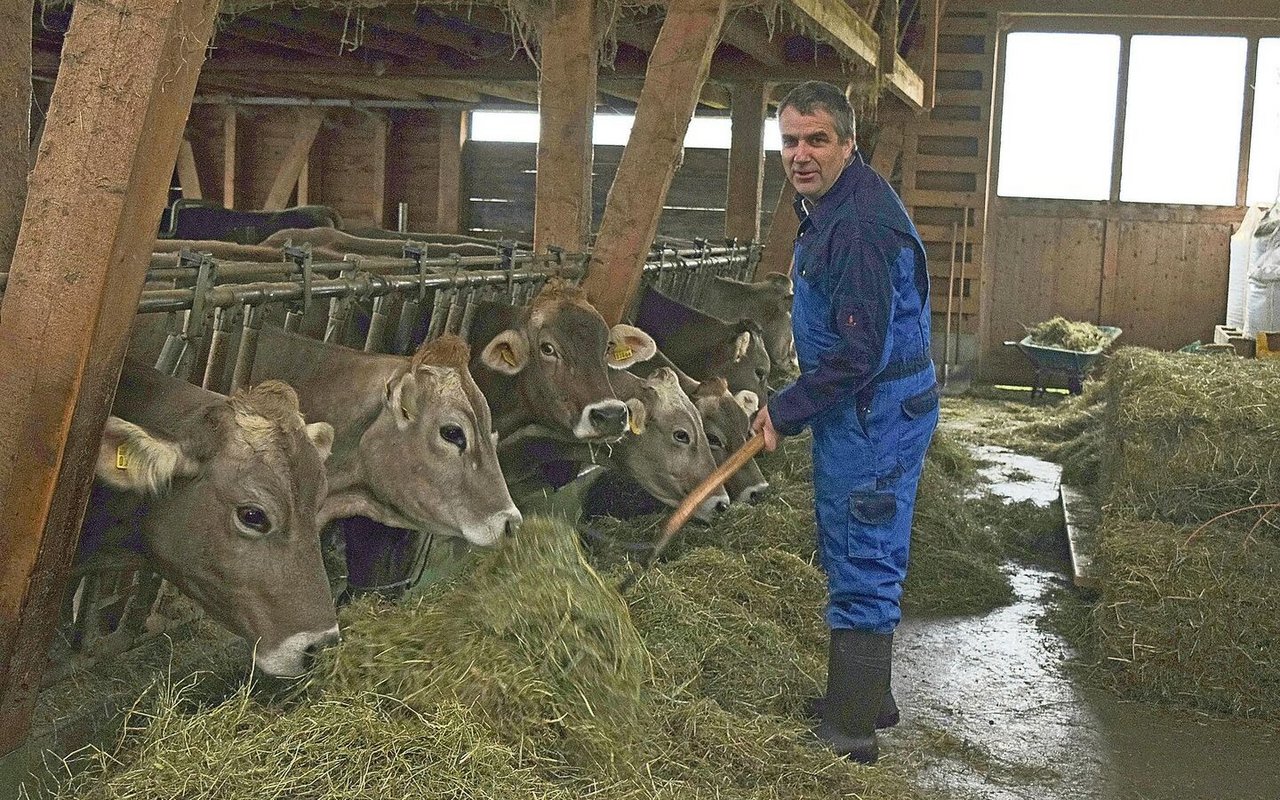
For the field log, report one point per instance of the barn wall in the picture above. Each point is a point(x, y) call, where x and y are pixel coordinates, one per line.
point(348, 166)
point(263, 138)
point(413, 169)
point(1159, 272)
point(498, 184)
point(205, 132)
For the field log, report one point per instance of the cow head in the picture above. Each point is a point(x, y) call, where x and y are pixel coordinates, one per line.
point(726, 417)
point(230, 516)
point(428, 458)
point(743, 361)
point(667, 452)
point(773, 312)
point(559, 353)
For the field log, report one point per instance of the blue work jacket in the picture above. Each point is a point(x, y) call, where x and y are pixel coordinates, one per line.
point(865, 294)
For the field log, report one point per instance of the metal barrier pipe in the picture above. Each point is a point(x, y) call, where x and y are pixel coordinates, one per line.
point(250, 325)
point(377, 324)
point(216, 362)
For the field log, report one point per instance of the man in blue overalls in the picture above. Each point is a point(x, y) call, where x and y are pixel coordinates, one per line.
point(866, 388)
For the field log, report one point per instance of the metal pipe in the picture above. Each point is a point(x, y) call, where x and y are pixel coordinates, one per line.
point(216, 362)
point(250, 325)
point(377, 324)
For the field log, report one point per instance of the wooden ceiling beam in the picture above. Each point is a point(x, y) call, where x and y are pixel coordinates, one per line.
point(748, 37)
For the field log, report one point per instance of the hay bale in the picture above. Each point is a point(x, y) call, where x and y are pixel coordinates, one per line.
point(1194, 623)
point(1188, 438)
point(1062, 333)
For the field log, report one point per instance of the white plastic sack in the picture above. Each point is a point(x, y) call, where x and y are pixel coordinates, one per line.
point(1262, 299)
point(1238, 275)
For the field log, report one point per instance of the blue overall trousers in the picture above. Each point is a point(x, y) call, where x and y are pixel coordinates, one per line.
point(867, 389)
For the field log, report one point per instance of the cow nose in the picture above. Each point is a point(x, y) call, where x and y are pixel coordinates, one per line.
point(318, 645)
point(752, 494)
point(722, 506)
point(513, 525)
point(609, 417)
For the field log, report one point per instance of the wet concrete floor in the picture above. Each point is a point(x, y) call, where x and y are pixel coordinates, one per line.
point(990, 712)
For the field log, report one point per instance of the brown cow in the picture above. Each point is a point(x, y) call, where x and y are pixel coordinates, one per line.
point(767, 302)
point(726, 417)
point(547, 364)
point(414, 446)
point(223, 495)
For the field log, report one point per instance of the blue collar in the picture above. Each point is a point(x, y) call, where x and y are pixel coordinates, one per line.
point(845, 186)
point(861, 189)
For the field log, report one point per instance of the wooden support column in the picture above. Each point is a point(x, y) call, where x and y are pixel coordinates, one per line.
point(188, 175)
point(94, 201)
point(931, 16)
point(15, 119)
point(228, 156)
point(678, 66)
point(1246, 129)
point(304, 135)
point(378, 167)
point(746, 162)
point(782, 235)
point(566, 107)
point(453, 133)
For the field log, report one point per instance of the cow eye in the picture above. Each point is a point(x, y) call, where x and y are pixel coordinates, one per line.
point(253, 519)
point(714, 441)
point(681, 436)
point(454, 435)
point(548, 349)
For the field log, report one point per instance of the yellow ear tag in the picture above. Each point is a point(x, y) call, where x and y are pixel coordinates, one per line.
point(633, 424)
point(122, 457)
point(622, 353)
point(508, 357)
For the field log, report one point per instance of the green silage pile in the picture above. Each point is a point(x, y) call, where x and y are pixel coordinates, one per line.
point(1188, 605)
point(526, 676)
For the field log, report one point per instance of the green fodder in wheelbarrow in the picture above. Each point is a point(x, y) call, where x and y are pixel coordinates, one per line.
point(1188, 437)
point(1065, 334)
point(1191, 616)
point(522, 677)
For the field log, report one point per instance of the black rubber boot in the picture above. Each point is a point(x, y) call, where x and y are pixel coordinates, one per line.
point(888, 717)
point(858, 671)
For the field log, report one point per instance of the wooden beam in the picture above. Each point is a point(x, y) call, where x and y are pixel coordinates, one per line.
point(1122, 103)
point(188, 175)
point(678, 67)
point(853, 37)
point(752, 39)
point(888, 37)
point(105, 165)
point(566, 106)
point(15, 119)
point(1246, 128)
point(229, 156)
point(453, 133)
point(304, 135)
point(746, 162)
point(378, 165)
point(931, 16)
point(776, 257)
point(888, 148)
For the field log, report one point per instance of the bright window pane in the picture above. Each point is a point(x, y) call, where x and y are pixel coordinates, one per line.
point(1058, 122)
point(615, 129)
point(1182, 120)
point(1264, 155)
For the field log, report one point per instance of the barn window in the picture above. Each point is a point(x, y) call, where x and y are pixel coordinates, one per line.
point(1264, 157)
point(607, 129)
point(1058, 120)
point(1182, 119)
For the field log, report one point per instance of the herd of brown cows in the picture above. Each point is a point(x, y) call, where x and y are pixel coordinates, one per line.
point(227, 496)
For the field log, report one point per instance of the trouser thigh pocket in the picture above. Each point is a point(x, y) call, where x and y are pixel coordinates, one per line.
point(871, 515)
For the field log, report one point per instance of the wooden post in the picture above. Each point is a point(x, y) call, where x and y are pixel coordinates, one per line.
point(309, 121)
point(378, 166)
point(453, 132)
point(678, 66)
point(1122, 103)
point(188, 175)
point(228, 156)
point(94, 201)
point(746, 162)
point(15, 119)
point(566, 107)
point(931, 14)
point(1246, 127)
point(782, 235)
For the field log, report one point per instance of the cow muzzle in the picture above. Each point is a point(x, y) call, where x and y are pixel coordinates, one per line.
point(295, 654)
point(489, 532)
point(752, 494)
point(716, 504)
point(605, 419)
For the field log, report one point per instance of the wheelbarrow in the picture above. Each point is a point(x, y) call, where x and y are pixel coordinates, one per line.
point(1071, 364)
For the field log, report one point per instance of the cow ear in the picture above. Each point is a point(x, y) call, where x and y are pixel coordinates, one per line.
point(782, 283)
point(321, 435)
point(740, 345)
point(637, 417)
point(131, 459)
point(668, 376)
point(749, 400)
point(402, 398)
point(507, 352)
point(629, 345)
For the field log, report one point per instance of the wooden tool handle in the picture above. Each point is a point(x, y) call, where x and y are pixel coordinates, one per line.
point(712, 482)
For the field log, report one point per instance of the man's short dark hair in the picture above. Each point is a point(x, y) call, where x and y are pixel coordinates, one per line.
point(812, 95)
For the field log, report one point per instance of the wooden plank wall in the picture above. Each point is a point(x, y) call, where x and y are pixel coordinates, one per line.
point(944, 172)
point(498, 181)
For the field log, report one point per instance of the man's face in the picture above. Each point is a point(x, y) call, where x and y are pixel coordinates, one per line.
point(812, 154)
